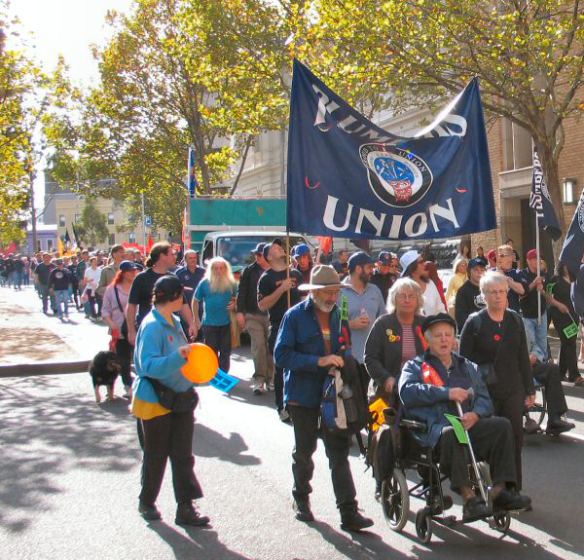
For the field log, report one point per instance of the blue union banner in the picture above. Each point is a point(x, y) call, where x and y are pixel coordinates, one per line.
point(349, 178)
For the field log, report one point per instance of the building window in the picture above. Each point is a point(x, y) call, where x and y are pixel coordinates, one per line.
point(132, 237)
point(49, 244)
point(518, 147)
point(61, 220)
point(111, 239)
point(110, 219)
point(568, 190)
point(39, 246)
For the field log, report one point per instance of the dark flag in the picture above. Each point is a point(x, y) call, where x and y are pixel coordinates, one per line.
point(541, 201)
point(76, 236)
point(67, 238)
point(349, 178)
point(573, 247)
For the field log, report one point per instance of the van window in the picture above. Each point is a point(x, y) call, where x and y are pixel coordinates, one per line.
point(207, 251)
point(238, 250)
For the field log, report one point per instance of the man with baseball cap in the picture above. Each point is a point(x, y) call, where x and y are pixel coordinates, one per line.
point(413, 266)
point(302, 260)
point(364, 301)
point(536, 330)
point(308, 346)
point(385, 273)
point(273, 288)
point(469, 298)
point(429, 387)
point(250, 318)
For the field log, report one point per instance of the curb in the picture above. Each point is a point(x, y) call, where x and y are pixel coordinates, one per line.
point(50, 368)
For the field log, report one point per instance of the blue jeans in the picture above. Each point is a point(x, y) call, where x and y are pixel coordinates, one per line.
point(537, 336)
point(45, 295)
point(62, 297)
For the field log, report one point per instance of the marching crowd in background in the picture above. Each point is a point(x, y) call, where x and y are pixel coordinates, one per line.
point(500, 312)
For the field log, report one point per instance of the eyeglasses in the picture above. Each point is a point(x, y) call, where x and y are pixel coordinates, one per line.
point(406, 295)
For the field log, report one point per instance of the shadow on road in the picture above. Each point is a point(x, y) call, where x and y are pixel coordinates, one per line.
point(43, 439)
point(208, 443)
point(196, 543)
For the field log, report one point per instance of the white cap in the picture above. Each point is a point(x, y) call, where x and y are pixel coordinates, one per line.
point(407, 259)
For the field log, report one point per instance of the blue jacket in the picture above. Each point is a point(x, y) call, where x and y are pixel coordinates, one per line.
point(156, 355)
point(428, 403)
point(298, 347)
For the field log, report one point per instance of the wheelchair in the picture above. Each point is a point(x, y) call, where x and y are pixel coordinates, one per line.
point(396, 491)
point(534, 416)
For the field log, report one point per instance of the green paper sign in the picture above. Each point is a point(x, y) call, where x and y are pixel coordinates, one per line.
point(571, 330)
point(459, 430)
point(344, 308)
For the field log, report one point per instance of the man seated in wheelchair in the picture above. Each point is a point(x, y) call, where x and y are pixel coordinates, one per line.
point(430, 385)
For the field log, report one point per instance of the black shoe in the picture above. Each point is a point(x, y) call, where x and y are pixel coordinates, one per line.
point(559, 426)
point(302, 509)
point(511, 500)
point(475, 508)
point(186, 514)
point(354, 521)
point(531, 426)
point(149, 512)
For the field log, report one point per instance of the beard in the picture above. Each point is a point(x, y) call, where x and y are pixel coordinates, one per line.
point(364, 277)
point(220, 283)
point(322, 305)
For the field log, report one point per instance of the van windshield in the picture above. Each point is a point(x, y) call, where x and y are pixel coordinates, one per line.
point(237, 250)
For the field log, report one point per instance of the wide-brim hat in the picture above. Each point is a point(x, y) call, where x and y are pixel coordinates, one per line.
point(322, 276)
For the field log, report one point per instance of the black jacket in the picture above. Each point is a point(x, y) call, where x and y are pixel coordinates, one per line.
point(247, 296)
point(383, 356)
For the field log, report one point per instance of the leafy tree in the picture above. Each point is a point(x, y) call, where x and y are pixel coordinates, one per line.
point(528, 54)
point(92, 227)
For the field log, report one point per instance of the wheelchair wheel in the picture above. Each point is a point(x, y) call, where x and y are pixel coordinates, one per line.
point(539, 409)
point(424, 525)
point(395, 500)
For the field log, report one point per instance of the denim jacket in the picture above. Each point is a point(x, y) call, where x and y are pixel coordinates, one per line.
point(298, 347)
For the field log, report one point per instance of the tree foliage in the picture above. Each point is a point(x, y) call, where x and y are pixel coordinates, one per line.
point(92, 227)
point(529, 56)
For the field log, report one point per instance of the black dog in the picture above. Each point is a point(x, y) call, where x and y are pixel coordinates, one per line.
point(104, 369)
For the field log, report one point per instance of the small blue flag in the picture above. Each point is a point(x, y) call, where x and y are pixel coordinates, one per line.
point(192, 176)
point(224, 382)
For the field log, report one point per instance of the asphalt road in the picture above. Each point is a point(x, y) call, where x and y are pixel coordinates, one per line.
point(70, 476)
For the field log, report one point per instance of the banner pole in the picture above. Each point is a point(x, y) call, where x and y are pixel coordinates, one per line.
point(288, 296)
point(538, 267)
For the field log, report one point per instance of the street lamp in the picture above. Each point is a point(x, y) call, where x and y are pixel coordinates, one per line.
point(568, 190)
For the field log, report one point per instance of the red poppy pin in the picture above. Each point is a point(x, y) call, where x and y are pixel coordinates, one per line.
point(170, 338)
point(497, 338)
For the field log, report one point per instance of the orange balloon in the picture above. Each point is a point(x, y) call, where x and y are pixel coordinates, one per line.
point(202, 364)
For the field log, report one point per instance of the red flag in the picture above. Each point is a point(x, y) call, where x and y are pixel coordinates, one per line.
point(326, 244)
point(149, 244)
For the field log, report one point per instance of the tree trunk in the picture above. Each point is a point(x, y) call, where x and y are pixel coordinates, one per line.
point(243, 160)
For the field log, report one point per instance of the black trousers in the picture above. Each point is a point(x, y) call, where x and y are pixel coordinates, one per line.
point(169, 436)
point(549, 376)
point(512, 407)
point(124, 351)
point(568, 361)
point(219, 338)
point(278, 371)
point(492, 441)
point(305, 422)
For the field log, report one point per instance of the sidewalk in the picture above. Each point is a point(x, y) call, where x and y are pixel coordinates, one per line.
point(29, 337)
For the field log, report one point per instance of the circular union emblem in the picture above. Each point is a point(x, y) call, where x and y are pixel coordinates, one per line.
point(398, 177)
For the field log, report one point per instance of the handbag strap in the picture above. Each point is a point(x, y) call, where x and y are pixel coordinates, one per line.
point(118, 300)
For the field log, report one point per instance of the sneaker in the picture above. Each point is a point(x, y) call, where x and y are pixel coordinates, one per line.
point(475, 508)
point(270, 386)
point(284, 415)
point(511, 500)
point(187, 514)
point(149, 512)
point(302, 509)
point(354, 521)
point(258, 389)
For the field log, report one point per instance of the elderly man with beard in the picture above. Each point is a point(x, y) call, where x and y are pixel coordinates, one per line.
point(217, 291)
point(413, 266)
point(308, 346)
point(365, 304)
